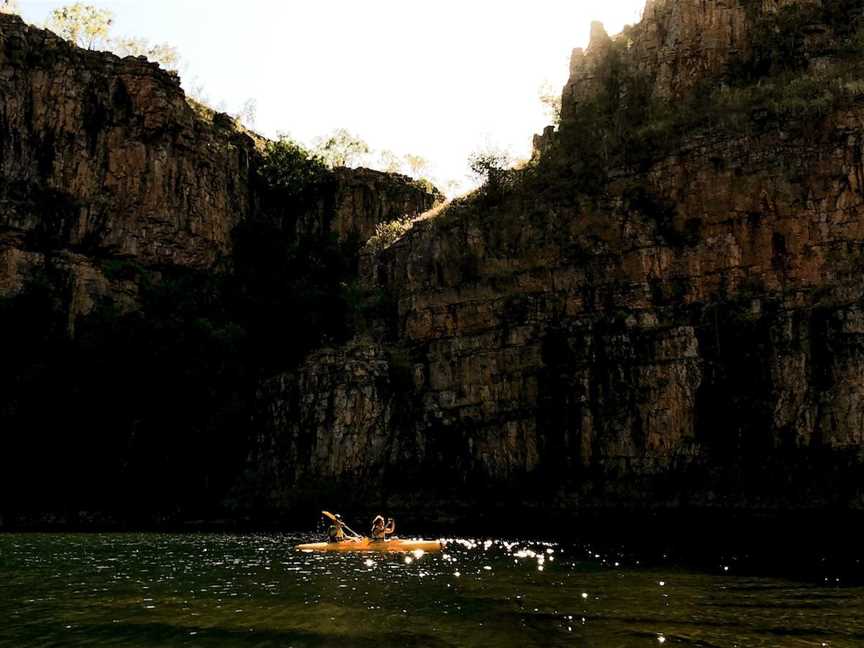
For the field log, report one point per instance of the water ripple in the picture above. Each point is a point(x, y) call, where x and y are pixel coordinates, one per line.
point(256, 590)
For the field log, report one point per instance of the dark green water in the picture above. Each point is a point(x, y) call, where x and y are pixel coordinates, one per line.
point(256, 591)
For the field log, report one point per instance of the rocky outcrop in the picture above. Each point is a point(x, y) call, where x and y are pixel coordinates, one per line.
point(104, 159)
point(105, 155)
point(337, 410)
point(586, 66)
point(360, 199)
point(692, 336)
point(683, 42)
point(677, 44)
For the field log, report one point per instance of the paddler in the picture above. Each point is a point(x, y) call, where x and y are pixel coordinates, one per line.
point(336, 532)
point(380, 531)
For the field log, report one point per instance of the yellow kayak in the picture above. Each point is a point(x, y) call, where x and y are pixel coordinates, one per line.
point(368, 545)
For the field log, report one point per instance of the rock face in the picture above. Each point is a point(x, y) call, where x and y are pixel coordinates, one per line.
point(106, 155)
point(104, 158)
point(141, 244)
point(572, 343)
point(362, 198)
point(698, 341)
point(347, 418)
point(678, 43)
point(691, 333)
point(683, 42)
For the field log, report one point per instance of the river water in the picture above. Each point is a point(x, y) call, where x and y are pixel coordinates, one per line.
point(214, 590)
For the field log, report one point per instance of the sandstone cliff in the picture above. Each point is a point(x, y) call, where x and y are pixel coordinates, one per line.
point(684, 330)
point(102, 157)
point(149, 277)
point(105, 155)
point(663, 309)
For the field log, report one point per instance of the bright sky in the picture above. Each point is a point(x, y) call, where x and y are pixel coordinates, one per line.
point(438, 79)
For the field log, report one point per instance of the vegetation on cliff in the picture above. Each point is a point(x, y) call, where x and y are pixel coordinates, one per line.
point(90, 27)
point(291, 174)
point(342, 149)
point(805, 64)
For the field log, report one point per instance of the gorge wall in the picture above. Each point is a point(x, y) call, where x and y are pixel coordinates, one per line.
point(147, 275)
point(688, 335)
point(662, 310)
point(103, 157)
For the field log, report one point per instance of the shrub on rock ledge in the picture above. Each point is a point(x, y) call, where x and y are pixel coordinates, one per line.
point(290, 170)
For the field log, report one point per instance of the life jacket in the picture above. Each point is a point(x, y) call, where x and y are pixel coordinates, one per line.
point(335, 533)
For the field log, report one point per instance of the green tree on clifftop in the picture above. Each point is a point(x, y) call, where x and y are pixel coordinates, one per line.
point(164, 54)
point(90, 27)
point(341, 149)
point(84, 25)
point(489, 165)
point(389, 162)
point(248, 113)
point(417, 164)
point(550, 97)
point(290, 170)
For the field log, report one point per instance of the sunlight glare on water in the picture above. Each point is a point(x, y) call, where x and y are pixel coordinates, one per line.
point(257, 590)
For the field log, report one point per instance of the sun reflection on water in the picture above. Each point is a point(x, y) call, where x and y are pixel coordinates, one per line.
point(224, 590)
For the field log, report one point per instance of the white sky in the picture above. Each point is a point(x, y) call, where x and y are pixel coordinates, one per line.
point(438, 79)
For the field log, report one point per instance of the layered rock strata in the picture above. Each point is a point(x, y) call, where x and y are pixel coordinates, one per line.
point(101, 154)
point(103, 158)
point(361, 199)
point(678, 43)
point(692, 337)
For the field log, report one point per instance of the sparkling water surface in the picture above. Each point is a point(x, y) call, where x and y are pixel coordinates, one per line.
point(256, 590)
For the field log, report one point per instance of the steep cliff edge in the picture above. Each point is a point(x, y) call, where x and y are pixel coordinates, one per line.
point(103, 157)
point(149, 278)
point(664, 310)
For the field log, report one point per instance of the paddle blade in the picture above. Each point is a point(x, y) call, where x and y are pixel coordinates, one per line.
point(328, 514)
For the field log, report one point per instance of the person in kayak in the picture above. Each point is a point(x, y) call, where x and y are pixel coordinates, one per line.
point(380, 531)
point(336, 532)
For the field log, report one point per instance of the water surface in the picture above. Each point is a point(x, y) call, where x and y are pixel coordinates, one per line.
point(208, 590)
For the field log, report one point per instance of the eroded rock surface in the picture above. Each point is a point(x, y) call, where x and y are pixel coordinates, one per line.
point(104, 154)
point(362, 198)
point(691, 334)
point(105, 158)
point(696, 342)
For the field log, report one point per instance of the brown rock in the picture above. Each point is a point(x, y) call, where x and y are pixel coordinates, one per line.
point(611, 354)
point(99, 153)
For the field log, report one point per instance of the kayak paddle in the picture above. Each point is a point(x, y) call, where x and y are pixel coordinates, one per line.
point(328, 514)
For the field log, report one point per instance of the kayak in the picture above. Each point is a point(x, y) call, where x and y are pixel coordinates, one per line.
point(367, 545)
